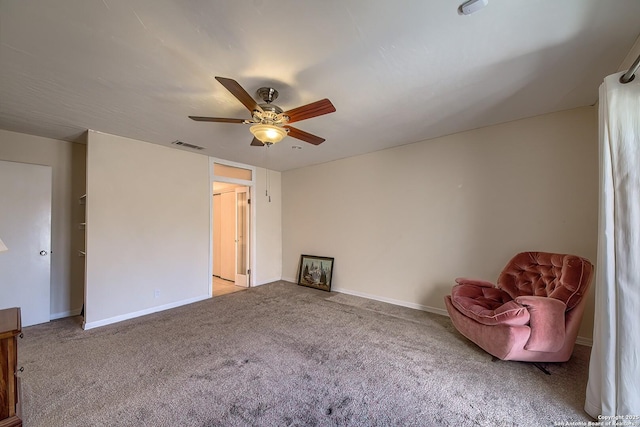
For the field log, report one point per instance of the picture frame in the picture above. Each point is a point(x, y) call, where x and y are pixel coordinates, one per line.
point(315, 272)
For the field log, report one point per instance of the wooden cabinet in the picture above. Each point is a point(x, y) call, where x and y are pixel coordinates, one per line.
point(10, 328)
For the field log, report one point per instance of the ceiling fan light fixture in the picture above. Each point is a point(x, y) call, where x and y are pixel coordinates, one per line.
point(270, 124)
point(268, 134)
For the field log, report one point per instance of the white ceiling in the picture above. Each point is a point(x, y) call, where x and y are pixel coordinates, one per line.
point(396, 71)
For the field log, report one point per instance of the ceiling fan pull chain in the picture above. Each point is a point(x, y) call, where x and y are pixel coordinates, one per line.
point(268, 189)
point(268, 176)
point(266, 173)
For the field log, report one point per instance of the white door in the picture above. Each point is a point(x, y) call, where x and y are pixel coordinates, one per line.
point(25, 228)
point(242, 236)
point(217, 230)
point(227, 236)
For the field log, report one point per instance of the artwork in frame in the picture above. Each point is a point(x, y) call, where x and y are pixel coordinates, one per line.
point(315, 272)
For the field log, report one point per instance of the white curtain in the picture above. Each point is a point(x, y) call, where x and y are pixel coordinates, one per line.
point(614, 371)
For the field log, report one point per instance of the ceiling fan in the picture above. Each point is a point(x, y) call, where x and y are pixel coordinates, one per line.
point(269, 123)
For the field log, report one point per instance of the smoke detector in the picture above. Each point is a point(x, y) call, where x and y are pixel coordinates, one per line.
point(472, 6)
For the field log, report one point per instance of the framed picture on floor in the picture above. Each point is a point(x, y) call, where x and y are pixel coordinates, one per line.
point(315, 272)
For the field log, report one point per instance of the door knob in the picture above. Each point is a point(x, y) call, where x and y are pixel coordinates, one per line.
point(43, 253)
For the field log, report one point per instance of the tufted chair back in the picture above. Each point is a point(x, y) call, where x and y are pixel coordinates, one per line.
point(563, 277)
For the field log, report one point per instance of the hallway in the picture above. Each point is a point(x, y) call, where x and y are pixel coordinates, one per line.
point(223, 287)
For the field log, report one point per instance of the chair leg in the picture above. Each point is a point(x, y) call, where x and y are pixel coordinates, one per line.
point(536, 364)
point(541, 367)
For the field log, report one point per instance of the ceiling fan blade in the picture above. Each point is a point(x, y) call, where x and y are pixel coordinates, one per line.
point(304, 136)
point(215, 119)
point(257, 143)
point(237, 91)
point(318, 108)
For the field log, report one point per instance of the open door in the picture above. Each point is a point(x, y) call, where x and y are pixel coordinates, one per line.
point(242, 236)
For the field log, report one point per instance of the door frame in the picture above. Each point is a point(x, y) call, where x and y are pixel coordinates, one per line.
point(252, 212)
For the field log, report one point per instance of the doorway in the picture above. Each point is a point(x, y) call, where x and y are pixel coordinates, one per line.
point(231, 231)
point(231, 226)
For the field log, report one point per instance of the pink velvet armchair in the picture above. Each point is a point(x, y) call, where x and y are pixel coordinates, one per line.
point(532, 314)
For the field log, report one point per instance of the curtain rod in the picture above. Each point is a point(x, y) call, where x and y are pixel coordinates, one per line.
point(629, 75)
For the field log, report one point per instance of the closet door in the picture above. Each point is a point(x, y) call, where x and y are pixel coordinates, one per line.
point(217, 240)
point(242, 236)
point(25, 228)
point(228, 236)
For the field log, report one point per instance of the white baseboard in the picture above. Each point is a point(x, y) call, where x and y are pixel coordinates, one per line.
point(584, 341)
point(413, 305)
point(580, 340)
point(383, 299)
point(90, 325)
point(63, 314)
point(441, 311)
point(264, 282)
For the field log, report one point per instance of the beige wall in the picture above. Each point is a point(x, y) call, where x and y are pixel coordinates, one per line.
point(120, 206)
point(631, 56)
point(148, 228)
point(67, 161)
point(268, 227)
point(404, 222)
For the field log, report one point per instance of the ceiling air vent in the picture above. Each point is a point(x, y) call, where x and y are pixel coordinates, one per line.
point(187, 145)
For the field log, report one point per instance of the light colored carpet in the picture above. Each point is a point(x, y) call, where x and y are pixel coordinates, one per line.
point(285, 355)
